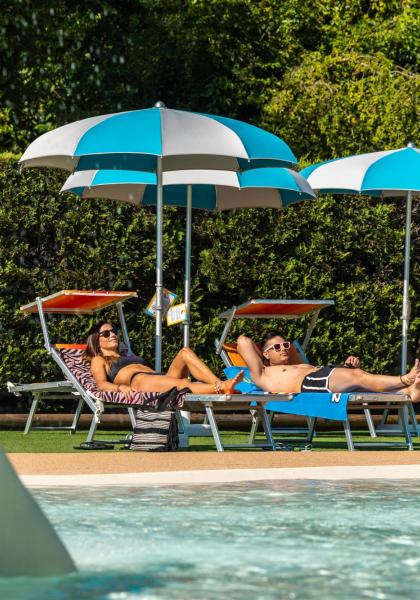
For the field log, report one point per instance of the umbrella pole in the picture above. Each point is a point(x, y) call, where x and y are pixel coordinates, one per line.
point(159, 261)
point(406, 302)
point(187, 274)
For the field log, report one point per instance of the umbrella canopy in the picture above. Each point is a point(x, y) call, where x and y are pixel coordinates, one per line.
point(206, 190)
point(157, 140)
point(135, 140)
point(388, 173)
point(211, 190)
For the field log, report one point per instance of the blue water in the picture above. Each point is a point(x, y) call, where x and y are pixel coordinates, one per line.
point(272, 540)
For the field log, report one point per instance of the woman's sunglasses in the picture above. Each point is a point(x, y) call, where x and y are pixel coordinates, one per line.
point(279, 346)
point(107, 333)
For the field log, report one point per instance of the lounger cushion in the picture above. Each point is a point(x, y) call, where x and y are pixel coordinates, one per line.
point(246, 386)
point(325, 405)
point(80, 368)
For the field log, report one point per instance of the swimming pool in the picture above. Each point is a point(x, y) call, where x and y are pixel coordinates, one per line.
point(271, 540)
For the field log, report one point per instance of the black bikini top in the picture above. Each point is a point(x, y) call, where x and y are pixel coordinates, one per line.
point(121, 362)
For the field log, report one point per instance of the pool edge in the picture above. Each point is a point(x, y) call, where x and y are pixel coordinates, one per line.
point(209, 476)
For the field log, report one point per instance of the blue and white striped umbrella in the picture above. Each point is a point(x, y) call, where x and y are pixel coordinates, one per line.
point(135, 140)
point(158, 140)
point(388, 173)
point(206, 190)
point(211, 190)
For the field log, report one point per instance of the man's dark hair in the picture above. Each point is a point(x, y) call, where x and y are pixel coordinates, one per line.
point(268, 336)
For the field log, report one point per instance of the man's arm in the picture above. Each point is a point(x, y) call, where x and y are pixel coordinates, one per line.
point(252, 356)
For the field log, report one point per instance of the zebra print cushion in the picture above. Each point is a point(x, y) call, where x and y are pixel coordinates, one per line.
point(80, 367)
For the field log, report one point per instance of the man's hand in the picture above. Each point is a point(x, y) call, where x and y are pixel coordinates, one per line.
point(352, 361)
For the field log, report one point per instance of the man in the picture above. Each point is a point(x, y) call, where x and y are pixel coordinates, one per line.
point(270, 370)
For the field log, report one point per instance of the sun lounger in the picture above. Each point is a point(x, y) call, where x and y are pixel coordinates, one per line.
point(334, 407)
point(320, 405)
point(272, 309)
point(70, 359)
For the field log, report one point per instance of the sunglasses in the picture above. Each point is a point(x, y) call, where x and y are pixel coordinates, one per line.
point(107, 333)
point(279, 346)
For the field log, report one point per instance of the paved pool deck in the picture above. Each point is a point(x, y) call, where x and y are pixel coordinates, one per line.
point(137, 468)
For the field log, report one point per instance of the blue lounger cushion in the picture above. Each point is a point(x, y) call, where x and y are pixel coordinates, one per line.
point(246, 386)
point(307, 404)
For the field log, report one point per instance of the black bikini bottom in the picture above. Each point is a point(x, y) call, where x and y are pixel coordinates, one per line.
point(144, 373)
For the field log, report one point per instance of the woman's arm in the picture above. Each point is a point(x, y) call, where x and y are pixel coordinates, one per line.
point(98, 368)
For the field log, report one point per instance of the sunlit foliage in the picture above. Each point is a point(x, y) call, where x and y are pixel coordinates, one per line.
point(332, 77)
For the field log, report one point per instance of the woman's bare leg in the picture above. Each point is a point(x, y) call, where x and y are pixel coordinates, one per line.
point(187, 361)
point(351, 380)
point(163, 383)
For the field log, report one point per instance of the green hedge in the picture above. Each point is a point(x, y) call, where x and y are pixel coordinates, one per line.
point(347, 249)
point(331, 77)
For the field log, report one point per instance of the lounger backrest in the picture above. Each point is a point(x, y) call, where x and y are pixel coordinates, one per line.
point(74, 358)
point(237, 361)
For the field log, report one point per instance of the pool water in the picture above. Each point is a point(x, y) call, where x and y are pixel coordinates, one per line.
point(271, 540)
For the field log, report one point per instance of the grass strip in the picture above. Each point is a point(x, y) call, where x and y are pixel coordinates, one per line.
point(63, 441)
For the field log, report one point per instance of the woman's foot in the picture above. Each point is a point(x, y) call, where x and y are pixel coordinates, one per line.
point(414, 391)
point(228, 386)
point(410, 377)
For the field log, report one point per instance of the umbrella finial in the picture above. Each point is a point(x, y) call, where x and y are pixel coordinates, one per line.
point(159, 104)
point(411, 145)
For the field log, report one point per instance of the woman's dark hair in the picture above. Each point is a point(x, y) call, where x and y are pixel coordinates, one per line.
point(92, 341)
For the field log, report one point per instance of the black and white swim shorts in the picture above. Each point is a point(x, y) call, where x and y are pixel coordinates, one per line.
point(317, 381)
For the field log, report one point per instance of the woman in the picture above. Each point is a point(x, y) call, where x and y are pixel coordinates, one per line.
point(116, 373)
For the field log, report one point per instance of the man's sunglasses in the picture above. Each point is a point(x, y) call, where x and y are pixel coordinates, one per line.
point(279, 346)
point(107, 333)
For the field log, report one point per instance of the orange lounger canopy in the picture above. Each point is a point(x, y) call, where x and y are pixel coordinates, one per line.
point(78, 301)
point(266, 309)
point(274, 309)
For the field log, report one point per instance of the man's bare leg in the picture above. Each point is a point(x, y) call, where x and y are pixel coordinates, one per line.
point(414, 390)
point(352, 380)
point(187, 361)
point(252, 357)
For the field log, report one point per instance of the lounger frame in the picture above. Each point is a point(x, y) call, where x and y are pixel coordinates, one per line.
point(71, 387)
point(55, 390)
point(365, 401)
point(215, 404)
